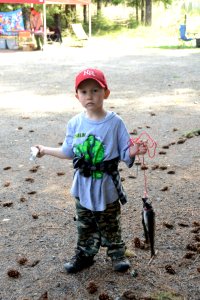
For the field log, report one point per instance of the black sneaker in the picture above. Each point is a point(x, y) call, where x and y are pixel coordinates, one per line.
point(78, 262)
point(120, 264)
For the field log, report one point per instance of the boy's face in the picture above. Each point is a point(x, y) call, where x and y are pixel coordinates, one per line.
point(91, 95)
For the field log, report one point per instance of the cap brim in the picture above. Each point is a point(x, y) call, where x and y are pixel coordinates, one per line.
point(99, 82)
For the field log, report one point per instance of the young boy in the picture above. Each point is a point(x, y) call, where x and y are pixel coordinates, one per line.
point(96, 140)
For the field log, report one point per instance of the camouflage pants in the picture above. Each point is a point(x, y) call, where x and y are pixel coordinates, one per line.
point(97, 229)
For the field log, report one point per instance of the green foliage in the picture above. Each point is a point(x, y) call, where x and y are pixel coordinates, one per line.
point(175, 47)
point(65, 19)
point(54, 9)
point(102, 25)
point(133, 3)
point(111, 2)
point(105, 26)
point(50, 21)
point(165, 2)
point(71, 17)
point(191, 7)
point(132, 23)
point(9, 7)
point(167, 296)
point(116, 2)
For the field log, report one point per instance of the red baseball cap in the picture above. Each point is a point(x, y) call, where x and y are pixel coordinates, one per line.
point(94, 74)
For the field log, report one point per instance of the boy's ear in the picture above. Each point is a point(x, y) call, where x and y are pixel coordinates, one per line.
point(107, 93)
point(76, 95)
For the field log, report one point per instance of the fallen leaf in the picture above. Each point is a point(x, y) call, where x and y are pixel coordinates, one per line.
point(92, 287)
point(7, 168)
point(13, 273)
point(170, 270)
point(7, 204)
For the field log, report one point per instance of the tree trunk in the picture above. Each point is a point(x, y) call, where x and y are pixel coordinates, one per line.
point(73, 9)
point(99, 5)
point(57, 21)
point(26, 17)
point(70, 11)
point(148, 14)
point(137, 12)
point(84, 14)
point(142, 11)
point(67, 12)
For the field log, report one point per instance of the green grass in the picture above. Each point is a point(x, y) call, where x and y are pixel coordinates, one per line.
point(167, 296)
point(173, 47)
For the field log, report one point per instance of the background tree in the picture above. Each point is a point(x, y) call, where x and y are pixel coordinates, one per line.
point(148, 12)
point(85, 14)
point(145, 7)
point(148, 9)
point(142, 11)
point(99, 6)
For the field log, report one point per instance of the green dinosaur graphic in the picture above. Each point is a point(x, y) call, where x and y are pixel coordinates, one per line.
point(93, 151)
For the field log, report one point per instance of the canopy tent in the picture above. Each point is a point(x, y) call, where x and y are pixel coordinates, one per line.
point(22, 1)
point(44, 2)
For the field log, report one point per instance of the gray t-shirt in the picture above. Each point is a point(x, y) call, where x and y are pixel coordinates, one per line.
point(100, 140)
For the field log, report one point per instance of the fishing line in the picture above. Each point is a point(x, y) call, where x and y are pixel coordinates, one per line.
point(148, 214)
point(145, 139)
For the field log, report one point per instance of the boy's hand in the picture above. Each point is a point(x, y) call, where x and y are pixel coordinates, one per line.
point(56, 152)
point(139, 148)
point(41, 150)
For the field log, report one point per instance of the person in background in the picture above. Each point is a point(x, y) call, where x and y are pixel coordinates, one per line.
point(57, 37)
point(97, 140)
point(36, 24)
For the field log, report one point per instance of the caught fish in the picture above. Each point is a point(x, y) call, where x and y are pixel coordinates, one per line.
point(148, 222)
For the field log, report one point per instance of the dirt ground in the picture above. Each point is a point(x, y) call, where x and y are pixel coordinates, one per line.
point(153, 90)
